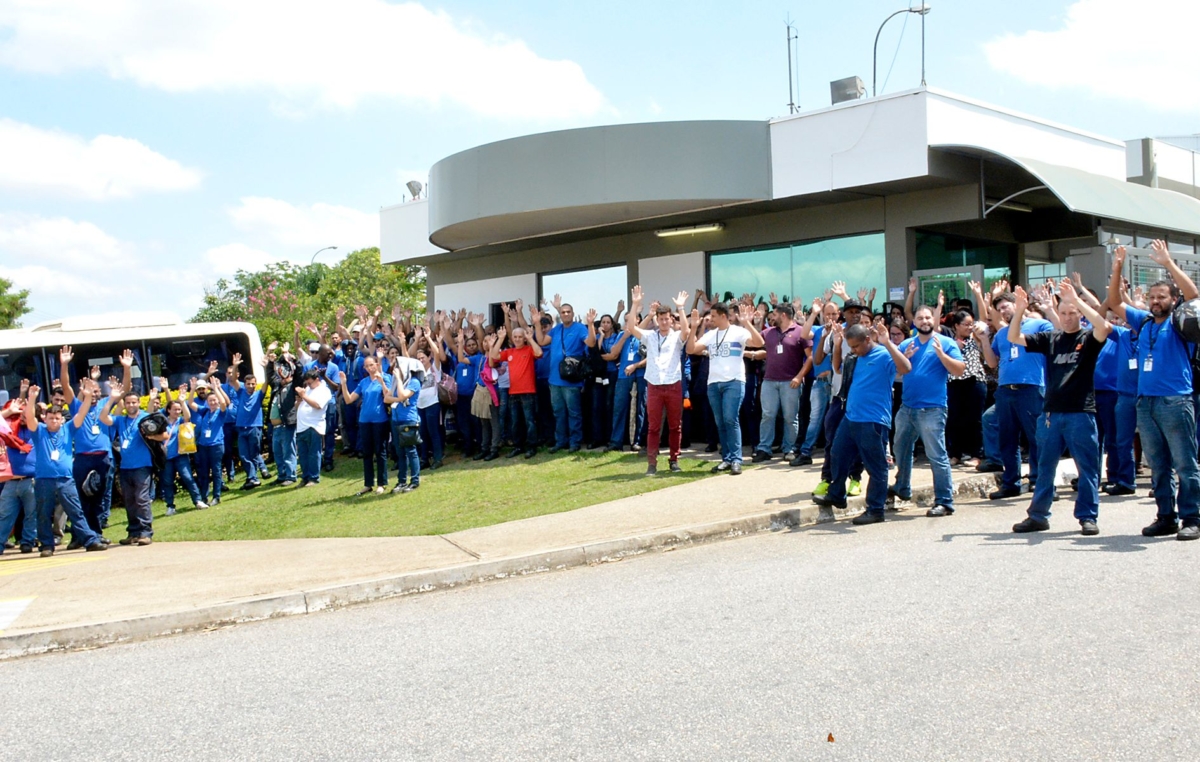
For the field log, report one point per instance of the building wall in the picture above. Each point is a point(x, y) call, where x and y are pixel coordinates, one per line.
point(477, 295)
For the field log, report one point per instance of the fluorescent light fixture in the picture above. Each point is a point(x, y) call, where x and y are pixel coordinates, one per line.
point(709, 227)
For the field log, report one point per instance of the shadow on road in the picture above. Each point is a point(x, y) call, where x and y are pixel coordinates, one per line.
point(1075, 541)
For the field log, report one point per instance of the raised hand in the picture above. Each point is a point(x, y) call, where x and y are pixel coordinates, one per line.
point(65, 355)
point(839, 289)
point(94, 373)
point(636, 295)
point(1066, 291)
point(620, 306)
point(272, 346)
point(912, 348)
point(975, 288)
point(772, 298)
point(1022, 302)
point(340, 314)
point(680, 300)
point(33, 393)
point(862, 295)
point(1119, 259)
point(999, 287)
point(164, 384)
point(212, 367)
point(871, 296)
point(1159, 253)
point(912, 285)
point(880, 335)
point(557, 302)
point(114, 388)
point(126, 358)
point(501, 333)
point(827, 295)
point(591, 316)
point(237, 359)
point(941, 302)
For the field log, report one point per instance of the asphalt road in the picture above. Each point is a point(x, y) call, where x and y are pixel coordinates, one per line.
point(918, 639)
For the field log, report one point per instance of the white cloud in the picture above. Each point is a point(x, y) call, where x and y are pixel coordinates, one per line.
point(315, 226)
point(309, 52)
point(1143, 52)
point(226, 260)
point(33, 159)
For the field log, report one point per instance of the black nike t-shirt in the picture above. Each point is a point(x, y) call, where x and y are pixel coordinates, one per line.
point(1070, 369)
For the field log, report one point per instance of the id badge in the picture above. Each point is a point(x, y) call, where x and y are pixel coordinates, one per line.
point(54, 455)
point(1014, 353)
point(778, 349)
point(95, 429)
point(1132, 364)
point(208, 433)
point(125, 443)
point(632, 354)
point(1148, 365)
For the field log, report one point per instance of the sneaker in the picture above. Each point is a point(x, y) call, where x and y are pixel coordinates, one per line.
point(855, 488)
point(364, 491)
point(202, 505)
point(170, 512)
point(381, 489)
point(1188, 532)
point(735, 468)
point(801, 460)
point(398, 489)
point(1031, 525)
point(1088, 528)
point(284, 483)
point(46, 553)
point(1161, 528)
point(651, 470)
point(410, 487)
point(251, 484)
point(1004, 492)
point(989, 467)
point(128, 540)
point(827, 502)
point(940, 510)
point(821, 488)
point(722, 466)
point(141, 541)
point(867, 518)
point(675, 469)
point(760, 456)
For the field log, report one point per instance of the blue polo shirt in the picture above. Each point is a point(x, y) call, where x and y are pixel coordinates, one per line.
point(1164, 364)
point(23, 463)
point(1025, 367)
point(870, 398)
point(371, 408)
point(248, 407)
point(606, 346)
point(925, 385)
point(134, 452)
point(826, 364)
point(1127, 365)
point(405, 414)
point(54, 457)
point(173, 442)
point(1108, 367)
point(210, 426)
point(566, 341)
point(93, 436)
point(630, 355)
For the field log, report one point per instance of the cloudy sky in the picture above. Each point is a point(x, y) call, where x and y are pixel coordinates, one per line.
point(148, 147)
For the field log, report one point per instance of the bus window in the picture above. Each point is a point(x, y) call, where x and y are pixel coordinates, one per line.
point(179, 360)
point(108, 358)
point(17, 364)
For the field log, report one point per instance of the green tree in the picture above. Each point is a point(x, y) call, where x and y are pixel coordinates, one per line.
point(221, 303)
point(361, 278)
point(13, 305)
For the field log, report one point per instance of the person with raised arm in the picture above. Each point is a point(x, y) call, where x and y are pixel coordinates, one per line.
point(93, 447)
point(568, 342)
point(312, 399)
point(522, 374)
point(247, 400)
point(1068, 420)
point(210, 410)
point(136, 461)
point(178, 413)
point(664, 375)
point(372, 425)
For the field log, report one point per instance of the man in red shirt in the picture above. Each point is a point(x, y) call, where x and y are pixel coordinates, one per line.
point(522, 379)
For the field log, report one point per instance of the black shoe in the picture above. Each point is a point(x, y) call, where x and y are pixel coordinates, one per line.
point(514, 453)
point(327, 467)
point(436, 465)
point(760, 456)
point(1031, 525)
point(553, 449)
point(614, 448)
point(651, 470)
point(892, 493)
point(722, 466)
point(867, 518)
point(1004, 492)
point(97, 545)
point(675, 469)
point(735, 468)
point(828, 502)
point(1188, 532)
point(1116, 490)
point(410, 487)
point(479, 455)
point(940, 510)
point(26, 548)
point(1161, 528)
point(712, 448)
point(530, 453)
point(251, 484)
point(1088, 528)
point(574, 448)
point(491, 456)
point(1075, 484)
point(801, 460)
point(989, 467)
point(74, 545)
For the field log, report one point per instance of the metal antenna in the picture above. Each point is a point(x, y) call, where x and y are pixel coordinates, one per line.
point(792, 35)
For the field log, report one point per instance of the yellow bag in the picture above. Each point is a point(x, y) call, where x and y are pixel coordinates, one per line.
point(187, 438)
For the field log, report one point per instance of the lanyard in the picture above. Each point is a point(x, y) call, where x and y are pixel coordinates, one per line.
point(1154, 336)
point(720, 341)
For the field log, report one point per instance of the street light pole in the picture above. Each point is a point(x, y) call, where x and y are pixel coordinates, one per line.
point(923, 10)
point(314, 256)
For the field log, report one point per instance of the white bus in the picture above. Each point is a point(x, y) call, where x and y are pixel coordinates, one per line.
point(161, 345)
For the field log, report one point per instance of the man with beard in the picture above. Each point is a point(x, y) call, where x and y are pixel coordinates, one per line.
point(1166, 418)
point(923, 410)
point(1068, 421)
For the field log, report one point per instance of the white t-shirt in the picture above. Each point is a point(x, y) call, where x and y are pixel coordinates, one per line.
point(428, 396)
point(664, 355)
point(725, 350)
point(308, 417)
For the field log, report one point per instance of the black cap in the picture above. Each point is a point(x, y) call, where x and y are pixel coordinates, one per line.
point(853, 304)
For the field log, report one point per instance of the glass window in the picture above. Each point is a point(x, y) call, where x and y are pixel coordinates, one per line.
point(178, 360)
point(599, 288)
point(752, 272)
point(1181, 245)
point(18, 364)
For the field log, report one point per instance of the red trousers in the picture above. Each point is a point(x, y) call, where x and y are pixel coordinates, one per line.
point(669, 396)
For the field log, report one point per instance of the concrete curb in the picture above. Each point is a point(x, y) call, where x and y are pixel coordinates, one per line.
point(95, 635)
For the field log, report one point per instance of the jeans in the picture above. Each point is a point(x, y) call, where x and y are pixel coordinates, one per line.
point(1075, 432)
point(331, 426)
point(505, 419)
point(182, 466)
point(408, 460)
point(602, 409)
point(818, 402)
point(231, 448)
point(568, 415)
point(135, 486)
point(1125, 418)
point(208, 470)
point(622, 399)
point(17, 495)
point(991, 435)
point(93, 507)
point(467, 424)
point(373, 438)
point(725, 399)
point(669, 397)
point(309, 447)
point(928, 423)
point(524, 430)
point(349, 428)
point(865, 442)
point(834, 415)
point(431, 432)
point(1018, 408)
point(250, 450)
point(60, 491)
point(777, 395)
point(1168, 429)
point(283, 444)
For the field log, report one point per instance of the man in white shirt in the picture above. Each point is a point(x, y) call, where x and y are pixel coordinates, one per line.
point(726, 344)
point(312, 395)
point(664, 374)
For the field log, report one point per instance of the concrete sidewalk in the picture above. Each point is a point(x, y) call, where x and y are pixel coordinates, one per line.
point(81, 600)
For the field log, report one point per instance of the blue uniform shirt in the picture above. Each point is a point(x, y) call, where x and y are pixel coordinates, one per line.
point(818, 335)
point(1021, 367)
point(371, 408)
point(134, 452)
point(54, 457)
point(93, 436)
point(210, 426)
point(248, 406)
point(606, 346)
point(925, 384)
point(1127, 359)
point(1164, 363)
point(870, 399)
point(403, 413)
point(467, 373)
point(566, 341)
point(1107, 367)
point(630, 356)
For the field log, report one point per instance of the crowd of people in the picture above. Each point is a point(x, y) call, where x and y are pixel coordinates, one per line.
point(1047, 371)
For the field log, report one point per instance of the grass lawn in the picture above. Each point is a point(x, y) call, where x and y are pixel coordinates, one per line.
point(462, 495)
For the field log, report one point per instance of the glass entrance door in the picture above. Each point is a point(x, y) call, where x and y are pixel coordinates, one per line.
point(951, 281)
